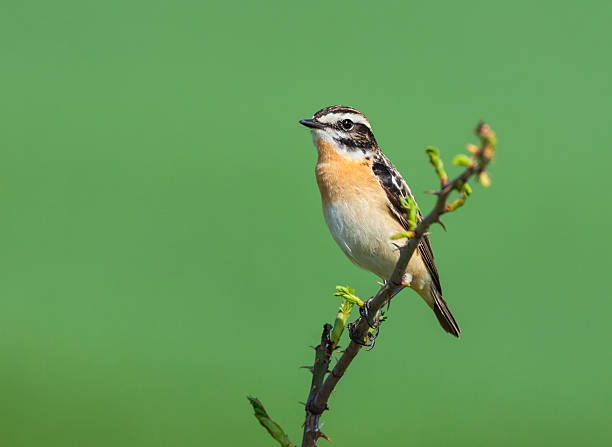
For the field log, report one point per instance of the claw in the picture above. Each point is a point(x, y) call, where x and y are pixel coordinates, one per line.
point(351, 331)
point(373, 338)
point(364, 312)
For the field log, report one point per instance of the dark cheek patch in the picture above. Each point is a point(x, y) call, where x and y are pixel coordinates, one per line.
point(355, 144)
point(360, 138)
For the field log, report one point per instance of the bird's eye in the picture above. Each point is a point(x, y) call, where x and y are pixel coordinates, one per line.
point(347, 124)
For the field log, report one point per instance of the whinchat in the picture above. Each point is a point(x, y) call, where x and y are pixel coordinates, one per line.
point(361, 193)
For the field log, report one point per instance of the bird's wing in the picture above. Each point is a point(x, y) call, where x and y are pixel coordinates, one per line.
point(396, 188)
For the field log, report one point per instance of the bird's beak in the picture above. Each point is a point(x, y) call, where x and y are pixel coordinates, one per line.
point(312, 124)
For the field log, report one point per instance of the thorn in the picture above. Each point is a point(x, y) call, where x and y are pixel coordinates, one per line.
point(301, 403)
point(433, 192)
point(309, 368)
point(320, 434)
point(441, 224)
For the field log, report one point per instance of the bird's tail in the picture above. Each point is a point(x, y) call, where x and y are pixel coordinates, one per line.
point(445, 317)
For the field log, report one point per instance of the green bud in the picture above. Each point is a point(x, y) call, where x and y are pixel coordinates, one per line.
point(434, 159)
point(405, 234)
point(408, 204)
point(467, 190)
point(273, 428)
point(458, 203)
point(432, 150)
point(462, 160)
point(341, 321)
point(348, 293)
point(484, 179)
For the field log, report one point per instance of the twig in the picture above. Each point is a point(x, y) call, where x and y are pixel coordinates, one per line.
point(322, 387)
point(264, 419)
point(323, 353)
point(476, 166)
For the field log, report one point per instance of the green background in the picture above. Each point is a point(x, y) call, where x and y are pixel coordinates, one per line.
point(163, 252)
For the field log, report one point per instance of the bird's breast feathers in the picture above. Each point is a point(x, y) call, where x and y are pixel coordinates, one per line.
point(357, 213)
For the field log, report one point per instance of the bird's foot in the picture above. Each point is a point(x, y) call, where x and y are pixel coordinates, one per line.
point(364, 311)
point(367, 340)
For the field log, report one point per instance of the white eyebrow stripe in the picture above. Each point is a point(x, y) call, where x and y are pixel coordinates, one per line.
point(334, 117)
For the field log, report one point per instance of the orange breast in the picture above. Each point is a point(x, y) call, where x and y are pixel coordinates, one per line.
point(356, 210)
point(341, 178)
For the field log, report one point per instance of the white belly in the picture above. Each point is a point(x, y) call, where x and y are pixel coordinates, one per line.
point(363, 236)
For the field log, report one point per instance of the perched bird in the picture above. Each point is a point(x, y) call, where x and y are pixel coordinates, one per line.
point(361, 191)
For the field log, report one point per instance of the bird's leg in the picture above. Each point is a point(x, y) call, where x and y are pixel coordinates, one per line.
point(374, 327)
point(406, 281)
point(370, 335)
point(363, 311)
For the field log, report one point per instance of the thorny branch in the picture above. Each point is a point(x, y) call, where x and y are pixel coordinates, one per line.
point(325, 381)
point(477, 166)
point(323, 353)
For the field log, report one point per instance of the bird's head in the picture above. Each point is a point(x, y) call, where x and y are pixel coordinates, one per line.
point(346, 129)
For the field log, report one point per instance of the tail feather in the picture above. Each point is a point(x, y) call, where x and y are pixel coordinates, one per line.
point(445, 317)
